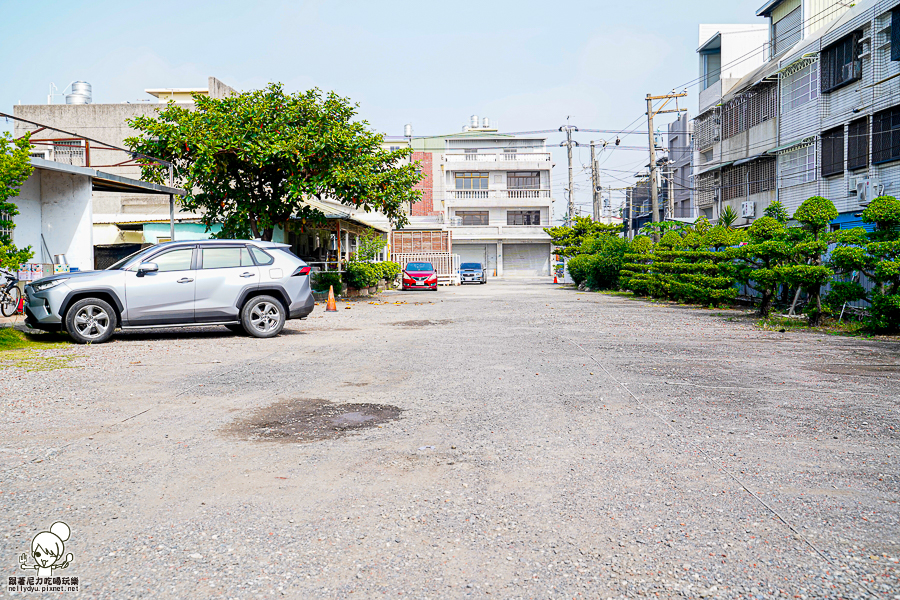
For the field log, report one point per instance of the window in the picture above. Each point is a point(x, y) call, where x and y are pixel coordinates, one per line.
point(263, 258)
point(524, 180)
point(886, 135)
point(707, 189)
point(711, 66)
point(472, 217)
point(523, 217)
point(895, 34)
point(833, 152)
point(762, 175)
point(6, 226)
point(221, 258)
point(858, 144)
point(841, 63)
point(800, 87)
point(787, 31)
point(797, 166)
point(734, 182)
point(749, 109)
point(707, 129)
point(471, 181)
point(174, 260)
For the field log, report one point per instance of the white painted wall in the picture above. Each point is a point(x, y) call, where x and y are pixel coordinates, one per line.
point(57, 205)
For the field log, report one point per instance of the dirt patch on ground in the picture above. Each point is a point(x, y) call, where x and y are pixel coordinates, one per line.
point(875, 370)
point(309, 420)
point(422, 323)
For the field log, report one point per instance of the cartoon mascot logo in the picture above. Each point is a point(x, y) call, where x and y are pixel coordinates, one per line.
point(47, 549)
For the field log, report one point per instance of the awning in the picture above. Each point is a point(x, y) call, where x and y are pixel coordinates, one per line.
point(107, 182)
point(807, 141)
point(715, 167)
point(749, 159)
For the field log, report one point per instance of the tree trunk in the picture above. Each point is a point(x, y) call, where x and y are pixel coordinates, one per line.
point(266, 234)
point(765, 303)
point(815, 318)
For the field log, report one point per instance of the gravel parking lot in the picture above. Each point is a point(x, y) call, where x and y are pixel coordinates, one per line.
point(512, 440)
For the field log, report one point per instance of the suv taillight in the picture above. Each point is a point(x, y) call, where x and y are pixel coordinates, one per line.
point(301, 271)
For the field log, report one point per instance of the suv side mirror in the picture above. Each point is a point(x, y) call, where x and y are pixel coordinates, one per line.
point(147, 267)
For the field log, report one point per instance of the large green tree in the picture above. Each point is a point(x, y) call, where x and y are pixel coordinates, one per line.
point(15, 168)
point(568, 240)
point(251, 161)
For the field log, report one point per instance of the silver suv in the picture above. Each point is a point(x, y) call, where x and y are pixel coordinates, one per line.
point(244, 285)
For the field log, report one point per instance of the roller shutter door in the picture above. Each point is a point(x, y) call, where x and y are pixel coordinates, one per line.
point(526, 260)
point(471, 253)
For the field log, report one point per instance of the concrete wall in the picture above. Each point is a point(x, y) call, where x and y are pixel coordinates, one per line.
point(57, 205)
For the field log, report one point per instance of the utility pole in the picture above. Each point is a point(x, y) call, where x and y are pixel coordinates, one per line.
point(570, 214)
point(654, 192)
point(595, 184)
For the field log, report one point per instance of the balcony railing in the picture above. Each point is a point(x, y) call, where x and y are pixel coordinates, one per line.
point(485, 194)
point(498, 157)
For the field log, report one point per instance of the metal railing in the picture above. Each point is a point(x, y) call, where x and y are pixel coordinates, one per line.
point(498, 157)
point(446, 265)
point(518, 194)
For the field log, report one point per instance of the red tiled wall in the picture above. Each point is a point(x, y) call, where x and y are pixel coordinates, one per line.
point(425, 206)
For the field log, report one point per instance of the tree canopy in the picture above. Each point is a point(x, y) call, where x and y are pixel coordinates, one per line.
point(568, 239)
point(15, 168)
point(251, 161)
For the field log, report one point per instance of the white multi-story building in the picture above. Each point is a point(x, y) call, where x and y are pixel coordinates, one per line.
point(492, 192)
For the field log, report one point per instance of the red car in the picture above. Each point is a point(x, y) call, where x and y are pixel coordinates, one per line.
point(419, 276)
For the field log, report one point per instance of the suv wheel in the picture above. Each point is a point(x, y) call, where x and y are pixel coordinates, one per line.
point(90, 321)
point(263, 317)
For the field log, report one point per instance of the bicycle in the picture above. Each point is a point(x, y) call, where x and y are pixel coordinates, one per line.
point(10, 295)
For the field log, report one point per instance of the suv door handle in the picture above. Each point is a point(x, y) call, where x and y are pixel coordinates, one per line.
point(185, 280)
point(247, 275)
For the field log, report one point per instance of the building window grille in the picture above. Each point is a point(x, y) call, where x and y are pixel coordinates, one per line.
point(749, 110)
point(886, 135)
point(707, 188)
point(524, 180)
point(471, 181)
point(707, 129)
point(472, 217)
point(734, 182)
point(858, 144)
point(523, 217)
point(841, 63)
point(833, 152)
point(762, 175)
point(800, 87)
point(797, 166)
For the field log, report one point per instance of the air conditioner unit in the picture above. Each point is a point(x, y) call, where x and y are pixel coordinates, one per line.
point(748, 209)
point(851, 184)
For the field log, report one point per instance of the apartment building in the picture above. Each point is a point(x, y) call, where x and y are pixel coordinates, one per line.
point(679, 176)
point(492, 192)
point(817, 118)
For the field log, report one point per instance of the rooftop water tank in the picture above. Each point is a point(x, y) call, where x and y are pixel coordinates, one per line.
point(473, 121)
point(407, 130)
point(485, 122)
point(81, 93)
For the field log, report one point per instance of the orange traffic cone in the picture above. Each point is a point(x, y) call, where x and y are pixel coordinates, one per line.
point(332, 305)
point(555, 280)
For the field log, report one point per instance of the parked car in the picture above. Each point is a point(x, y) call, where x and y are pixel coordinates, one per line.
point(472, 273)
point(247, 286)
point(419, 276)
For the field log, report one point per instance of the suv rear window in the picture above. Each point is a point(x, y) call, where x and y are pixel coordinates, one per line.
point(262, 257)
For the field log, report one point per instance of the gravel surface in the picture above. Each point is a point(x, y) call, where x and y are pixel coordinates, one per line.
point(513, 440)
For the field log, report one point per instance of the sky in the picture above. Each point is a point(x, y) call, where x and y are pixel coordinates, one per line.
point(526, 65)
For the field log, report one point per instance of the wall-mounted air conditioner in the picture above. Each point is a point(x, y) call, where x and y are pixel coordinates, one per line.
point(748, 209)
point(866, 189)
point(851, 184)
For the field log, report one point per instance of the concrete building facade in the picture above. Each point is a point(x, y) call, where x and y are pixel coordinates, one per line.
point(492, 192)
